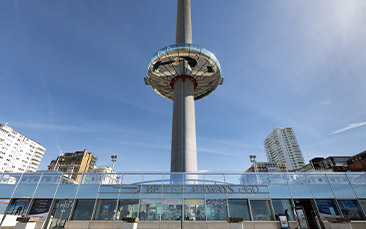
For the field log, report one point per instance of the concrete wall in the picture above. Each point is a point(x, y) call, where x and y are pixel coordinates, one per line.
point(173, 225)
point(200, 225)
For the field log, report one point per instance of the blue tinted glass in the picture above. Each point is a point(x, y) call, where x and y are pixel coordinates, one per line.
point(357, 178)
point(279, 191)
point(18, 207)
point(45, 190)
point(24, 190)
point(3, 205)
point(239, 208)
point(343, 191)
point(363, 206)
point(338, 179)
point(83, 210)
point(106, 210)
point(150, 209)
point(127, 208)
point(66, 191)
point(87, 191)
point(194, 210)
point(216, 209)
point(276, 179)
point(327, 208)
point(322, 191)
point(360, 190)
point(300, 191)
point(350, 209)
point(6, 190)
point(172, 210)
point(283, 207)
point(297, 179)
point(317, 179)
point(261, 210)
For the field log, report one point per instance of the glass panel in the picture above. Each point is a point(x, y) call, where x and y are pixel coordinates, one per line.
point(343, 191)
point(300, 191)
point(322, 191)
point(216, 209)
point(360, 190)
point(297, 179)
point(108, 191)
point(172, 210)
point(87, 191)
point(234, 179)
point(317, 179)
point(239, 208)
point(10, 178)
point(83, 210)
point(127, 208)
point(279, 191)
point(150, 209)
point(357, 178)
point(8, 183)
point(66, 191)
point(261, 210)
point(194, 209)
point(283, 207)
point(61, 212)
point(214, 178)
point(132, 179)
point(327, 208)
point(255, 179)
point(18, 207)
point(48, 185)
point(106, 210)
point(338, 179)
point(276, 179)
point(3, 205)
point(363, 206)
point(350, 209)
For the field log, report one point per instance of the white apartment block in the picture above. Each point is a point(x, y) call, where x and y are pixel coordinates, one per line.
point(18, 153)
point(281, 146)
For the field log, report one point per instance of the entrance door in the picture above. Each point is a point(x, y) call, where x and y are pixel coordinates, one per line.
point(310, 213)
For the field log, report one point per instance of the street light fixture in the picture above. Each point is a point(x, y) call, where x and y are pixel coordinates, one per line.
point(114, 159)
point(253, 160)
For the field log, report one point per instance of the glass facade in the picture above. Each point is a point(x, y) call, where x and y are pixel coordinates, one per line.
point(239, 208)
point(196, 197)
point(283, 207)
point(261, 210)
point(61, 212)
point(106, 210)
point(83, 210)
point(127, 208)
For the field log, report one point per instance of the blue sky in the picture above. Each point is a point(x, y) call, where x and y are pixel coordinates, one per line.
point(72, 72)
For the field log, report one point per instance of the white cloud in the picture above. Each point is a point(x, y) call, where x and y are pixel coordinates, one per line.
point(324, 103)
point(350, 126)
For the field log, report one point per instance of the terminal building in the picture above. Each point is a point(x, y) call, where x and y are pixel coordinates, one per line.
point(160, 201)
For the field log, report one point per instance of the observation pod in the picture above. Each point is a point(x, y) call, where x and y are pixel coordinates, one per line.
point(183, 73)
point(188, 61)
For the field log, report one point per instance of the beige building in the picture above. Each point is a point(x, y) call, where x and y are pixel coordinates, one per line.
point(267, 167)
point(73, 163)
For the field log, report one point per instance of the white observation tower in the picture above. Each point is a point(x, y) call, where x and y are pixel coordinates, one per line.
point(183, 72)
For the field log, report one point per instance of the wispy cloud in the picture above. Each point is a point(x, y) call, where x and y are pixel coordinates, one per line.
point(324, 103)
point(350, 126)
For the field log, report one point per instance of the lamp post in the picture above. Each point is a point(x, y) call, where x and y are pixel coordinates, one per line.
point(114, 159)
point(252, 160)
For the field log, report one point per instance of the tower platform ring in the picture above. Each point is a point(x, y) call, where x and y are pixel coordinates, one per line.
point(162, 69)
